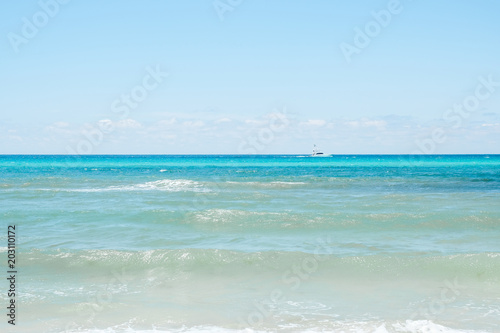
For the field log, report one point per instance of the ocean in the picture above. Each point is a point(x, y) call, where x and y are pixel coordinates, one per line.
point(265, 243)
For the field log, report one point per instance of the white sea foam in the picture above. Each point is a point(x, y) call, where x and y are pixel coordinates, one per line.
point(228, 215)
point(169, 185)
point(409, 326)
point(268, 184)
point(419, 326)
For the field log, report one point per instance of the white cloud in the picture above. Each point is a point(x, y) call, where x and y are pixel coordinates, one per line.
point(16, 138)
point(389, 134)
point(373, 123)
point(167, 122)
point(105, 122)
point(352, 123)
point(59, 127)
point(128, 123)
point(60, 124)
point(193, 123)
point(222, 120)
point(365, 122)
point(315, 122)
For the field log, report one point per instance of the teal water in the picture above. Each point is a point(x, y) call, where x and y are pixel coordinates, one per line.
point(354, 243)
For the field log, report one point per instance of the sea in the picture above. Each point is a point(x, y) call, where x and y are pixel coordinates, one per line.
point(250, 243)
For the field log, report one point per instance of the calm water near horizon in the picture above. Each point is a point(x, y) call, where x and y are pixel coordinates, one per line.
point(197, 243)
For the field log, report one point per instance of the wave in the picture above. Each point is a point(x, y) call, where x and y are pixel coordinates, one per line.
point(271, 184)
point(236, 218)
point(479, 266)
point(169, 185)
point(209, 290)
point(340, 220)
point(403, 326)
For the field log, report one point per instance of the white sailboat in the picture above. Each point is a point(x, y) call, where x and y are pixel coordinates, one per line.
point(316, 151)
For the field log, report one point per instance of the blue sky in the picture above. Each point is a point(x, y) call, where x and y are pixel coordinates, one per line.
point(249, 76)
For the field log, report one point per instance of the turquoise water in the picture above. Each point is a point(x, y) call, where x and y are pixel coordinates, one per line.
point(353, 243)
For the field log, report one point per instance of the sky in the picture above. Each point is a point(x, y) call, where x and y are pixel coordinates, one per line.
point(249, 77)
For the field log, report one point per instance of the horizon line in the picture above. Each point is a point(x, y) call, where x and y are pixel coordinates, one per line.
point(276, 154)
